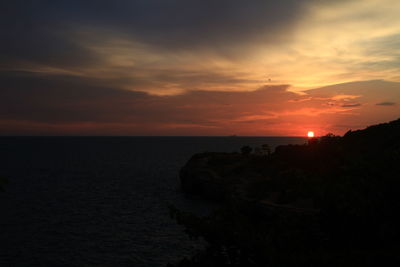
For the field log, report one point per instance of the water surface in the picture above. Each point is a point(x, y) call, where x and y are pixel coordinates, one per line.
point(100, 201)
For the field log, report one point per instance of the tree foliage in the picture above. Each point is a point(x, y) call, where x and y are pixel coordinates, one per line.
point(3, 182)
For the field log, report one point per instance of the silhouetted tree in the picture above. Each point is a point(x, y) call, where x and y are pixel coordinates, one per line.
point(246, 150)
point(266, 149)
point(258, 151)
point(2, 183)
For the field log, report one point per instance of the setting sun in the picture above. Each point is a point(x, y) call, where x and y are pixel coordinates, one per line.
point(310, 134)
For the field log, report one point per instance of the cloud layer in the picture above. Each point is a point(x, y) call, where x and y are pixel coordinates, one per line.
point(65, 105)
point(154, 67)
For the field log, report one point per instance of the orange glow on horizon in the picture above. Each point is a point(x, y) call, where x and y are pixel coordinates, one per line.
point(310, 134)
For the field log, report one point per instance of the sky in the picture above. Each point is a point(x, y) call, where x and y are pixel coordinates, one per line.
point(198, 67)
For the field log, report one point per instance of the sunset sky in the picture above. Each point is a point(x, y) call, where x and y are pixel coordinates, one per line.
point(198, 67)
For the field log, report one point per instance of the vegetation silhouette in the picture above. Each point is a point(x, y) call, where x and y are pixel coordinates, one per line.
point(333, 201)
point(246, 150)
point(3, 182)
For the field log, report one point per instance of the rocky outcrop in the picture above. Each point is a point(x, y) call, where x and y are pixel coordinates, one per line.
point(215, 176)
point(197, 177)
point(330, 202)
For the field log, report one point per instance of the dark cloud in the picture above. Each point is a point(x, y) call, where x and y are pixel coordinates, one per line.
point(42, 31)
point(154, 46)
point(62, 104)
point(352, 105)
point(56, 99)
point(165, 80)
point(27, 96)
point(386, 104)
point(33, 33)
point(184, 23)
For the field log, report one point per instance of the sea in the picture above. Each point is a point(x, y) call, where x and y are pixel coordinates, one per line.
point(101, 201)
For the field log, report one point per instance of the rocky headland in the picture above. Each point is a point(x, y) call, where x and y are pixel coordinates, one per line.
point(333, 201)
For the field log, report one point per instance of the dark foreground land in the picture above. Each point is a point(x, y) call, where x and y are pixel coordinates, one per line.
point(334, 201)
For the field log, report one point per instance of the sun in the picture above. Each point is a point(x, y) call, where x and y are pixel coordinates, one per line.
point(310, 134)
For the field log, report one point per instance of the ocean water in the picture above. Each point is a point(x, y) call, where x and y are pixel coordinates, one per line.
point(100, 201)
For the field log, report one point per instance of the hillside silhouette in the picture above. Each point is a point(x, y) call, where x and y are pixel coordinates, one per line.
point(333, 201)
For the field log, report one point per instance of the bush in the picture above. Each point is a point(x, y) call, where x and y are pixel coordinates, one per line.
point(246, 150)
point(2, 183)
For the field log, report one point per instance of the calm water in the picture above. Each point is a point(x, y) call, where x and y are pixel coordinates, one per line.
point(100, 201)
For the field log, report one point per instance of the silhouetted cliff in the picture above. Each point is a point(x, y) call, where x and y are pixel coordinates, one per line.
point(331, 202)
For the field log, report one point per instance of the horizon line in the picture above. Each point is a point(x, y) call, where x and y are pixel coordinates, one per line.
point(130, 136)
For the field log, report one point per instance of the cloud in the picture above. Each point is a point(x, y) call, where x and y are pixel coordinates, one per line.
point(44, 32)
point(205, 67)
point(169, 47)
point(154, 46)
point(34, 35)
point(351, 105)
point(62, 103)
point(369, 93)
point(37, 103)
point(345, 97)
point(386, 103)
